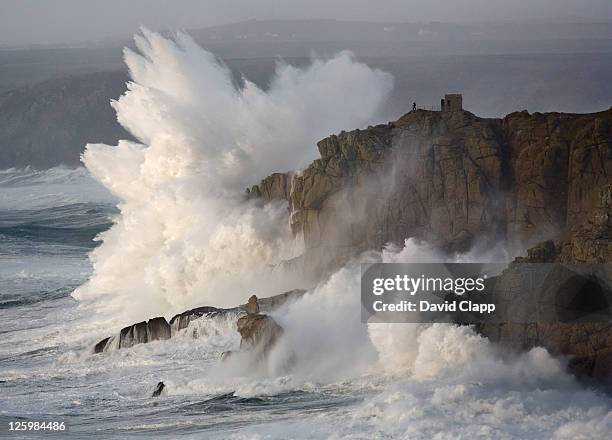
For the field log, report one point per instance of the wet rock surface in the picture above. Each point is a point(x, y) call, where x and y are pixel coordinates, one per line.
point(182, 320)
point(588, 344)
point(158, 389)
point(450, 179)
point(159, 329)
point(258, 332)
point(271, 303)
point(539, 181)
point(101, 346)
point(143, 332)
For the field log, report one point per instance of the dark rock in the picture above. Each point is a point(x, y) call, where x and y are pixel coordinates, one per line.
point(158, 329)
point(158, 389)
point(182, 320)
point(587, 344)
point(258, 332)
point(101, 346)
point(133, 334)
point(143, 332)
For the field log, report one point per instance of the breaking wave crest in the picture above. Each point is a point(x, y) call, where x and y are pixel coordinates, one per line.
point(186, 236)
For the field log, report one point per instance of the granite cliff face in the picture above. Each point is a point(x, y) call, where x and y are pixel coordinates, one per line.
point(589, 345)
point(452, 179)
point(541, 182)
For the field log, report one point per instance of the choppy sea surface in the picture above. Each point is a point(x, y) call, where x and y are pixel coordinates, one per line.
point(48, 222)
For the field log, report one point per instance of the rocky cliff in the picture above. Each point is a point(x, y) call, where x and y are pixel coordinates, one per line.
point(53, 102)
point(588, 239)
point(452, 179)
point(539, 181)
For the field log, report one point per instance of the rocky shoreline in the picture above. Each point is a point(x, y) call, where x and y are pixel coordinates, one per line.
point(160, 329)
point(538, 185)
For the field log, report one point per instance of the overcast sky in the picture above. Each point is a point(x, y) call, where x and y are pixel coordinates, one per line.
point(72, 21)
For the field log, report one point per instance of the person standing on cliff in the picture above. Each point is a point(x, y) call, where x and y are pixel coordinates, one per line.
point(414, 107)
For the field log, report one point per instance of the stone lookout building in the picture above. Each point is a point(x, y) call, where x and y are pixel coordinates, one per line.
point(451, 103)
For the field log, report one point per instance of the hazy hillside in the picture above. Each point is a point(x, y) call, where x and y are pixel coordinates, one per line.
point(337, 30)
point(23, 67)
point(49, 123)
point(299, 38)
point(54, 101)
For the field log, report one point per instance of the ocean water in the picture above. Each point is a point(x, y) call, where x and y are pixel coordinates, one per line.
point(412, 382)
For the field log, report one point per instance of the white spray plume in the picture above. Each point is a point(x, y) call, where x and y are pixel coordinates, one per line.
point(185, 236)
point(325, 335)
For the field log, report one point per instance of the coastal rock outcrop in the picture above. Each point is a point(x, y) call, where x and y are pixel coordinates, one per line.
point(252, 306)
point(588, 344)
point(451, 179)
point(539, 181)
point(258, 332)
point(159, 329)
point(143, 332)
point(182, 320)
point(271, 303)
point(102, 345)
point(158, 389)
point(140, 333)
point(590, 239)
